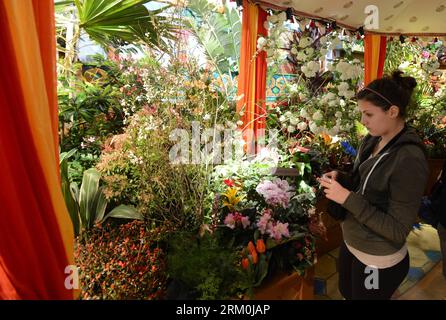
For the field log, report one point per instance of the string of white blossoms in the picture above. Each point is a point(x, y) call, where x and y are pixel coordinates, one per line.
point(275, 40)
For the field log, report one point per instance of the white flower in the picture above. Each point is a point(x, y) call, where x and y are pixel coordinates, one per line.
point(314, 128)
point(338, 114)
point(294, 121)
point(349, 94)
point(288, 114)
point(310, 69)
point(261, 42)
point(342, 103)
point(304, 113)
point(294, 87)
point(330, 96)
point(309, 51)
point(240, 122)
point(302, 126)
point(207, 117)
point(282, 118)
point(291, 129)
point(301, 56)
point(323, 40)
point(333, 103)
point(343, 86)
point(404, 65)
point(317, 116)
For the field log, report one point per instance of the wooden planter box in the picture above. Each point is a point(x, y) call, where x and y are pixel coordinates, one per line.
point(334, 231)
point(287, 287)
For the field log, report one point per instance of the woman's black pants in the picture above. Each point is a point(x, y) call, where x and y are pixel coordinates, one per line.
point(359, 282)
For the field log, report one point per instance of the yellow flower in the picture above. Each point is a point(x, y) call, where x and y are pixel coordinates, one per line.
point(232, 198)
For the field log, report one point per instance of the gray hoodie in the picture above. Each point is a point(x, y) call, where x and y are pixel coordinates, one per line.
point(384, 208)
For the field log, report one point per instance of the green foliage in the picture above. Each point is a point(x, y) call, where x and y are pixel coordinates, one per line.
point(218, 33)
point(427, 110)
point(204, 265)
point(139, 171)
point(87, 204)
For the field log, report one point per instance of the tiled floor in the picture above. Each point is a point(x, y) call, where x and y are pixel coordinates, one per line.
point(424, 252)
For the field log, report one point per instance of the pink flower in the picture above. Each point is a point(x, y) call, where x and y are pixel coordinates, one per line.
point(232, 220)
point(245, 222)
point(264, 222)
point(279, 230)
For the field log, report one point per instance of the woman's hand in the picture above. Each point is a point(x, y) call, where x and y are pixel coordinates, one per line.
point(333, 190)
point(331, 175)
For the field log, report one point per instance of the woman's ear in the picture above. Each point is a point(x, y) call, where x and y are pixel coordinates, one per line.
point(394, 111)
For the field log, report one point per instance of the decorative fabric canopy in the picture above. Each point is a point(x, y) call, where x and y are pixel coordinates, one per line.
point(36, 234)
point(410, 17)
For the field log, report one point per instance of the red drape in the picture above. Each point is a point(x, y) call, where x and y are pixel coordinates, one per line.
point(36, 235)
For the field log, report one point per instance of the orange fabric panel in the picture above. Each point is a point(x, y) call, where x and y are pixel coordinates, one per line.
point(252, 76)
point(374, 57)
point(261, 70)
point(247, 73)
point(45, 24)
point(36, 234)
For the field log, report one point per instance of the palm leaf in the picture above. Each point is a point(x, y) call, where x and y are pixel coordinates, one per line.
point(125, 20)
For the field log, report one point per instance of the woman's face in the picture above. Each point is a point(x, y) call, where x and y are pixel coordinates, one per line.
point(377, 121)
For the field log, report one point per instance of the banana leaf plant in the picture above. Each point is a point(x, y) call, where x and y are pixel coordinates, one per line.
point(218, 31)
point(87, 205)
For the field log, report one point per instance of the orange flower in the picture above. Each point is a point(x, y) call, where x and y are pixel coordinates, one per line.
point(251, 247)
point(260, 246)
point(255, 257)
point(245, 263)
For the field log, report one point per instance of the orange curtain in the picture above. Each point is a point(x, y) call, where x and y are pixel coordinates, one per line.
point(36, 234)
point(260, 96)
point(374, 57)
point(252, 75)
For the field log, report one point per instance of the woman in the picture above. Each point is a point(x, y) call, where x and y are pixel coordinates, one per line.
point(391, 173)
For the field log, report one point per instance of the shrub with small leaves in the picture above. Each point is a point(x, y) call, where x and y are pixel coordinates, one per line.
point(123, 262)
